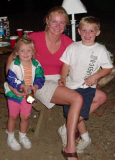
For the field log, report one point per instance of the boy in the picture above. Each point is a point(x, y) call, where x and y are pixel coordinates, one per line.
point(80, 72)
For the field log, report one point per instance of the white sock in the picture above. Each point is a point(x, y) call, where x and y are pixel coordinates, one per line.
point(10, 135)
point(22, 134)
point(85, 136)
point(64, 129)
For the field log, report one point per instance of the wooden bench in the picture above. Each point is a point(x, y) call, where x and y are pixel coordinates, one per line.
point(1, 91)
point(43, 118)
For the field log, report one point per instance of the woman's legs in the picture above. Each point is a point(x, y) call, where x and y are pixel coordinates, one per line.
point(63, 95)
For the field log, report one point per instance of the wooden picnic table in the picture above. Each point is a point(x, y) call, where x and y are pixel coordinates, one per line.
point(5, 49)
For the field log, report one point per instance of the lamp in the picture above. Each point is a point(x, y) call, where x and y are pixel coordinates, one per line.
point(73, 7)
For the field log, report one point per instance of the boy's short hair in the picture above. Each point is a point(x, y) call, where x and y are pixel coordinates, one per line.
point(90, 20)
point(27, 41)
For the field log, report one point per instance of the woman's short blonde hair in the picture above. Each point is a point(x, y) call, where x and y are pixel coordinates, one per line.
point(57, 9)
point(27, 41)
point(90, 20)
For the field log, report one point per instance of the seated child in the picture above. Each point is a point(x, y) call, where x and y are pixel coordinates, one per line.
point(82, 61)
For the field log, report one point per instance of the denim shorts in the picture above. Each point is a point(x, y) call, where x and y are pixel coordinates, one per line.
point(88, 94)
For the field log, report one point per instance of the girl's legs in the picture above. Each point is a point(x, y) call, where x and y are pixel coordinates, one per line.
point(25, 110)
point(13, 115)
point(11, 123)
point(23, 129)
point(24, 123)
point(63, 95)
point(11, 141)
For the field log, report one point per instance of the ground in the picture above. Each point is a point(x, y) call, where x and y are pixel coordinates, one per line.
point(48, 145)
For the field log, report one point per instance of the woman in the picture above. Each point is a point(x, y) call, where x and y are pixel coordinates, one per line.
point(50, 45)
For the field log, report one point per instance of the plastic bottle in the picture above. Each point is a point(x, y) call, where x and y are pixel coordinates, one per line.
point(2, 37)
point(6, 27)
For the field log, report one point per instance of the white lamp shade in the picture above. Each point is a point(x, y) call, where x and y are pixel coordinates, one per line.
point(74, 6)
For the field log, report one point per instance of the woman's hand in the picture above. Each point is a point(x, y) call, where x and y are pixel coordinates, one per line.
point(61, 82)
point(8, 62)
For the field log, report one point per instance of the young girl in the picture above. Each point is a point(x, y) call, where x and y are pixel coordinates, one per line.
point(24, 73)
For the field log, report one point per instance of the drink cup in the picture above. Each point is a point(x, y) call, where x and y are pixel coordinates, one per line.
point(19, 32)
point(13, 40)
point(26, 33)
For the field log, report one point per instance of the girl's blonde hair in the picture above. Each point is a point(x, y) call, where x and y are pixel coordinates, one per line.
point(57, 9)
point(90, 20)
point(27, 41)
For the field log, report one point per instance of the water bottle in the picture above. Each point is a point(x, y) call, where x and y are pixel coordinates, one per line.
point(6, 27)
point(2, 37)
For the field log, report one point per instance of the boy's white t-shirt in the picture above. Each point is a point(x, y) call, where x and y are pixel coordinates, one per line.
point(84, 61)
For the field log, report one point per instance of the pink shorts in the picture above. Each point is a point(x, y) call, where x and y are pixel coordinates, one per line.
point(16, 108)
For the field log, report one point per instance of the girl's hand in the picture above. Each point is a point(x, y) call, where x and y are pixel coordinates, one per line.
point(25, 88)
point(15, 91)
point(61, 82)
point(34, 88)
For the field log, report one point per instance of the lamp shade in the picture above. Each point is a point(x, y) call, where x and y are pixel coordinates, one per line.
point(74, 6)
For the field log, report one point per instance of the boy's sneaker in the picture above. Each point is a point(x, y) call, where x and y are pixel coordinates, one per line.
point(25, 142)
point(63, 136)
point(82, 145)
point(13, 144)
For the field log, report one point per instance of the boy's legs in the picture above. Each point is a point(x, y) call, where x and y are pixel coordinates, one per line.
point(98, 100)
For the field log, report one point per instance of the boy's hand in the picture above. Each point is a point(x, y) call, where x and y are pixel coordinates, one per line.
point(61, 82)
point(92, 80)
point(34, 88)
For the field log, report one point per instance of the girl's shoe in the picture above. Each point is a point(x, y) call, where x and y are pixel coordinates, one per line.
point(25, 141)
point(13, 144)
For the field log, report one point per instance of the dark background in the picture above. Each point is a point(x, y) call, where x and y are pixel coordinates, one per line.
point(36, 6)
point(29, 14)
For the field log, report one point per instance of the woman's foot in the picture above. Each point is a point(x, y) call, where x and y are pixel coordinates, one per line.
point(69, 155)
